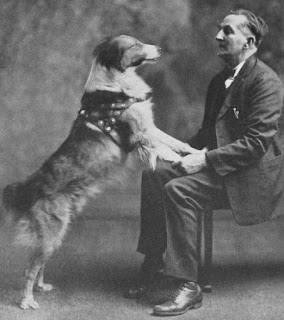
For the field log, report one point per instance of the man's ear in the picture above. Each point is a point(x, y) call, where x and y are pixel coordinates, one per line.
point(250, 42)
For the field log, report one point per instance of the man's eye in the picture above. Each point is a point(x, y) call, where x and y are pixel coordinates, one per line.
point(227, 30)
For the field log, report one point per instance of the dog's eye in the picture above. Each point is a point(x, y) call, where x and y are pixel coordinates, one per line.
point(134, 45)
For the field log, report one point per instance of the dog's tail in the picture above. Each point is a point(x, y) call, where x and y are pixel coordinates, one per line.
point(15, 200)
point(9, 196)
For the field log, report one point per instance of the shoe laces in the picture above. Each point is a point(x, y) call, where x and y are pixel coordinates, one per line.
point(189, 285)
point(176, 293)
point(182, 287)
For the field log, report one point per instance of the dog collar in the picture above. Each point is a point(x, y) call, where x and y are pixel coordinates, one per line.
point(102, 109)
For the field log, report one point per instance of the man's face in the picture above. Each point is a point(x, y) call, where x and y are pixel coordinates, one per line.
point(232, 38)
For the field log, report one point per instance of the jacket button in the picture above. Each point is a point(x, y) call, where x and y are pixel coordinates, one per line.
point(100, 123)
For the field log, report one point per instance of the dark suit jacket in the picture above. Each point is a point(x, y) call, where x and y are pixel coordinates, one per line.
point(249, 155)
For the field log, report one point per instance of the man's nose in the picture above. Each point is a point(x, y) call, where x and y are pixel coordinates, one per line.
point(220, 35)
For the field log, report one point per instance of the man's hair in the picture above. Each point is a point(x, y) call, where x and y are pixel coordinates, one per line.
point(255, 23)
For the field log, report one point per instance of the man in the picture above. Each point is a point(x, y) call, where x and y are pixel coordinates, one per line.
point(241, 164)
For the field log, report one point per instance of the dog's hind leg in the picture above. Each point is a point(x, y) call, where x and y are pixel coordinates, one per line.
point(52, 219)
point(38, 260)
point(40, 284)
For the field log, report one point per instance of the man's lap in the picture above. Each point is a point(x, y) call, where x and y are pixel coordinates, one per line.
point(205, 185)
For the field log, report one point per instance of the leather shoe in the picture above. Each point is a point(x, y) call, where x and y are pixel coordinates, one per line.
point(188, 296)
point(151, 268)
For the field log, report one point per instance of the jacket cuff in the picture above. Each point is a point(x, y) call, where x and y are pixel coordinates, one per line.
point(221, 168)
point(208, 162)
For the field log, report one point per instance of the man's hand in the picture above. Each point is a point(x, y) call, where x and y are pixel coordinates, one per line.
point(191, 163)
point(190, 150)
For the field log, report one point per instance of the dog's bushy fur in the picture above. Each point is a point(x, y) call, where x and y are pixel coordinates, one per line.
point(88, 160)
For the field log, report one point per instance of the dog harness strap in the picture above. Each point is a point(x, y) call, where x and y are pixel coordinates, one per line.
point(102, 109)
point(105, 116)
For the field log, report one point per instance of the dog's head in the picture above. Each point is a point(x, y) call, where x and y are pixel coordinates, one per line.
point(124, 51)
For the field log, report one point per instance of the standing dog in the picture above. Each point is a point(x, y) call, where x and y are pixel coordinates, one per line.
point(114, 123)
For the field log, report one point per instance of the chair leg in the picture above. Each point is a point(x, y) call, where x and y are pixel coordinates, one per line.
point(204, 247)
point(199, 245)
point(208, 247)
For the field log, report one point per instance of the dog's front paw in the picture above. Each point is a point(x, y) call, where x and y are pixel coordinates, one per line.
point(29, 303)
point(45, 287)
point(189, 150)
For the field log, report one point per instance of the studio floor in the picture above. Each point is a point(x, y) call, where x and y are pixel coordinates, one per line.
point(98, 258)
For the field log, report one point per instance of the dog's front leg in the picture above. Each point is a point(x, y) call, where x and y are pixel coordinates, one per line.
point(156, 144)
point(173, 143)
point(151, 152)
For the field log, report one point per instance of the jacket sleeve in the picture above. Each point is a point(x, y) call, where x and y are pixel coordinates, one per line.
point(263, 110)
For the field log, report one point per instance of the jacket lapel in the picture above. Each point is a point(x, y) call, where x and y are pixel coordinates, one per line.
point(235, 86)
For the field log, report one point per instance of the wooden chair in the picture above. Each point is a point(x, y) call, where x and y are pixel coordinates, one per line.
point(205, 246)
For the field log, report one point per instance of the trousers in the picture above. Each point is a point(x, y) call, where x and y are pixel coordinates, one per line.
point(171, 203)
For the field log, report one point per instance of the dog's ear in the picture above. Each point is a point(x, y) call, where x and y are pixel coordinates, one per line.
point(101, 47)
point(109, 55)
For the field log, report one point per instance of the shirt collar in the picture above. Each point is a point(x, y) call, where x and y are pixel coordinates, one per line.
point(238, 68)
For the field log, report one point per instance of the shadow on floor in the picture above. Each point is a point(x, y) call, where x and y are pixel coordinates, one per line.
point(98, 260)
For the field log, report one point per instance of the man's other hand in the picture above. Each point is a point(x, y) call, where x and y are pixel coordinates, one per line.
point(191, 163)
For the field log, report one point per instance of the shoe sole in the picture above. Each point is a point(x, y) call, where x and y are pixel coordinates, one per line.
point(176, 313)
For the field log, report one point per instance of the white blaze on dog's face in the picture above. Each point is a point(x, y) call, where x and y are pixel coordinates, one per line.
point(114, 65)
point(124, 52)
